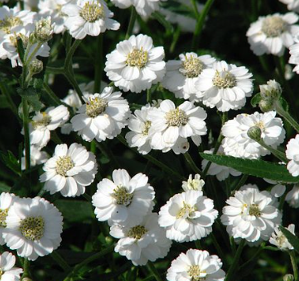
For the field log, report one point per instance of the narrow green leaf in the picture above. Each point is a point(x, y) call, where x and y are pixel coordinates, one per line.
point(11, 162)
point(20, 49)
point(294, 240)
point(255, 100)
point(4, 187)
point(257, 168)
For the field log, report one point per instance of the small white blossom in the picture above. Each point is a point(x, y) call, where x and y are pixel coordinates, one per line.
point(34, 227)
point(293, 5)
point(124, 200)
point(70, 170)
point(292, 153)
point(193, 184)
point(103, 116)
point(251, 214)
point(271, 34)
point(225, 86)
point(136, 64)
point(188, 216)
point(37, 157)
point(196, 265)
point(143, 241)
point(292, 197)
point(8, 272)
point(278, 238)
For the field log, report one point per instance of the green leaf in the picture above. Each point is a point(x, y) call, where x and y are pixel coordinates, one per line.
point(255, 100)
point(11, 162)
point(32, 97)
point(20, 49)
point(257, 168)
point(284, 104)
point(294, 240)
point(4, 187)
point(75, 210)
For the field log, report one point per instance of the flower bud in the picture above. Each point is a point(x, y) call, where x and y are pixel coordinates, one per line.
point(288, 277)
point(271, 91)
point(266, 105)
point(43, 30)
point(254, 133)
point(35, 66)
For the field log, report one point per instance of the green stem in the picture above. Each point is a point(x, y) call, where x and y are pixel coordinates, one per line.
point(70, 77)
point(154, 271)
point(26, 272)
point(241, 182)
point(87, 197)
point(53, 96)
point(70, 53)
point(218, 248)
point(236, 260)
point(131, 22)
point(294, 265)
point(200, 23)
point(32, 55)
point(148, 95)
point(194, 4)
point(26, 133)
point(279, 109)
point(98, 65)
point(254, 257)
point(192, 163)
point(60, 261)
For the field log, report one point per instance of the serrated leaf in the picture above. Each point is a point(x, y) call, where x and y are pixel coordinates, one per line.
point(257, 168)
point(255, 100)
point(294, 240)
point(11, 162)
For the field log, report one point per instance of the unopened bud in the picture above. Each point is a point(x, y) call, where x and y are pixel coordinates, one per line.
point(271, 91)
point(36, 66)
point(288, 277)
point(43, 30)
point(254, 133)
point(266, 105)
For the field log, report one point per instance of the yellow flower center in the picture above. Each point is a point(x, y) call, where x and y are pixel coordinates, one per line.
point(63, 165)
point(95, 106)
point(194, 272)
point(192, 67)
point(3, 215)
point(92, 12)
point(146, 128)
point(186, 211)
point(176, 117)
point(273, 26)
point(8, 23)
point(137, 232)
point(32, 228)
point(122, 196)
point(137, 57)
point(254, 210)
point(224, 79)
point(44, 121)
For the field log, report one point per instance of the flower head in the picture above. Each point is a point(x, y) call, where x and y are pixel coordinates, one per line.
point(293, 155)
point(292, 197)
point(278, 238)
point(7, 270)
point(193, 184)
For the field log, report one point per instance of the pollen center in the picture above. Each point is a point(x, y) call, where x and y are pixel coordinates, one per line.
point(146, 128)
point(43, 121)
point(91, 12)
point(95, 107)
point(63, 165)
point(273, 26)
point(138, 58)
point(196, 274)
point(224, 79)
point(186, 211)
point(137, 232)
point(8, 23)
point(3, 215)
point(254, 210)
point(32, 228)
point(122, 196)
point(192, 67)
point(176, 117)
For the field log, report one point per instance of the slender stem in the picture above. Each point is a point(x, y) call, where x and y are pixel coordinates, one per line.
point(26, 265)
point(53, 96)
point(98, 65)
point(32, 55)
point(131, 22)
point(148, 95)
point(279, 109)
point(87, 197)
point(200, 23)
point(236, 260)
point(26, 133)
point(241, 182)
point(70, 77)
point(254, 257)
point(194, 4)
point(154, 271)
point(69, 55)
point(93, 147)
point(294, 264)
point(192, 163)
point(61, 261)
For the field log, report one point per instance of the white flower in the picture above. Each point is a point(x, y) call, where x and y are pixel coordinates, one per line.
point(196, 265)
point(188, 216)
point(225, 86)
point(122, 4)
point(251, 214)
point(292, 153)
point(70, 170)
point(278, 239)
point(143, 241)
point(271, 34)
point(181, 75)
point(278, 190)
point(103, 116)
point(34, 227)
point(293, 5)
point(271, 90)
point(139, 126)
point(236, 141)
point(292, 197)
point(135, 64)
point(193, 184)
point(294, 52)
point(37, 157)
point(221, 172)
point(124, 200)
point(44, 122)
point(6, 200)
point(88, 17)
point(171, 124)
point(7, 270)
